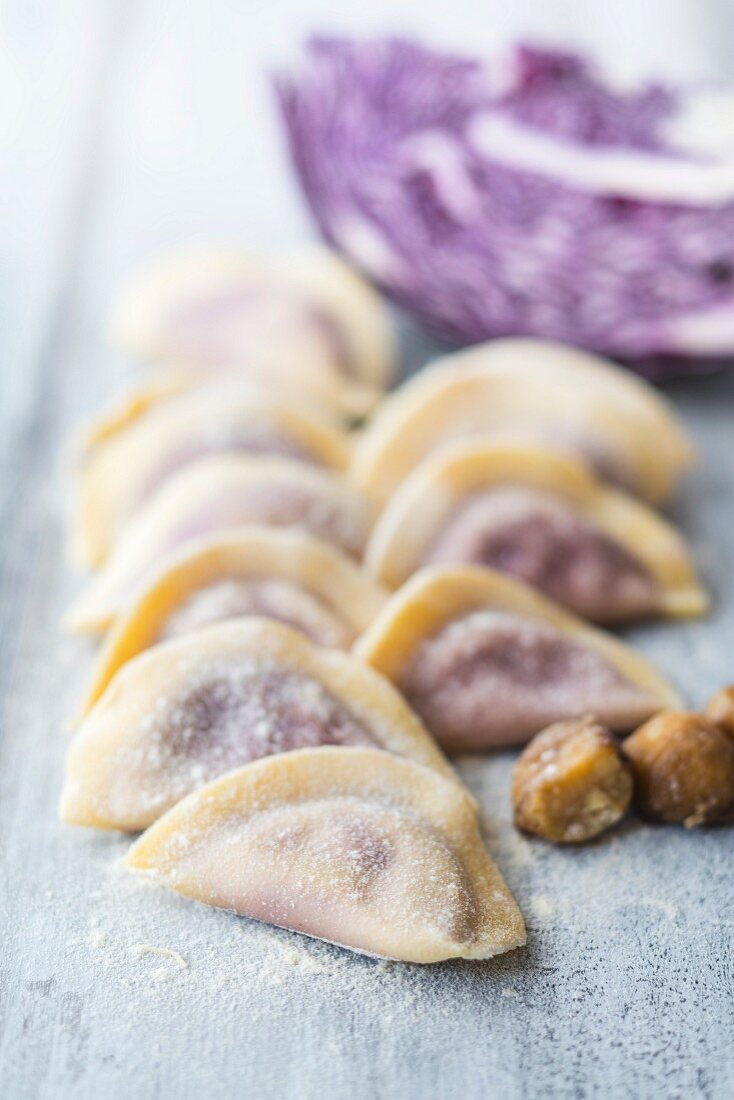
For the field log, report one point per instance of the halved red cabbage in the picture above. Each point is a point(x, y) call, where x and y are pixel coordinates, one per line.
point(524, 196)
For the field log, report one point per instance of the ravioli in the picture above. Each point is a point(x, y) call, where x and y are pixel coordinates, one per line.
point(487, 662)
point(188, 710)
point(124, 470)
point(361, 848)
point(212, 495)
point(303, 320)
point(537, 391)
point(543, 518)
point(280, 574)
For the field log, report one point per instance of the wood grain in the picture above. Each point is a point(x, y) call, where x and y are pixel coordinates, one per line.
point(138, 125)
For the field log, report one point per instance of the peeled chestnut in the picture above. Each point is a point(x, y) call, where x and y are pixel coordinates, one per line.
point(683, 766)
point(571, 782)
point(720, 710)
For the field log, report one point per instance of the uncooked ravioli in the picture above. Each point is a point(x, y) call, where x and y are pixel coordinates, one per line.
point(495, 678)
point(486, 661)
point(191, 709)
point(541, 517)
point(359, 847)
point(304, 321)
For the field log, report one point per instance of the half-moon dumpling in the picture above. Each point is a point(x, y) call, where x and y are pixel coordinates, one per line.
point(124, 470)
point(191, 709)
point(304, 320)
point(352, 846)
point(210, 496)
point(544, 518)
point(486, 661)
point(534, 390)
point(276, 574)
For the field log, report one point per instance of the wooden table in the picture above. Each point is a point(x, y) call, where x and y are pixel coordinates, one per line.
point(144, 124)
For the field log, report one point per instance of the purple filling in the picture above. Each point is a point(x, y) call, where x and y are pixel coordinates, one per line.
point(539, 539)
point(366, 852)
point(227, 714)
point(481, 249)
point(494, 678)
point(258, 712)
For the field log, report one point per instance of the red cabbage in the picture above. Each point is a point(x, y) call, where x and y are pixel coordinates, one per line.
point(521, 197)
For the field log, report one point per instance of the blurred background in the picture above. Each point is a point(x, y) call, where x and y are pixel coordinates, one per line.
point(130, 126)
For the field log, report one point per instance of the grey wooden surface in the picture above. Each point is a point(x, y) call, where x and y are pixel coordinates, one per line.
point(136, 125)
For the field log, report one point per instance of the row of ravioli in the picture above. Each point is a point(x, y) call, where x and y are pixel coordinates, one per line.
point(289, 589)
